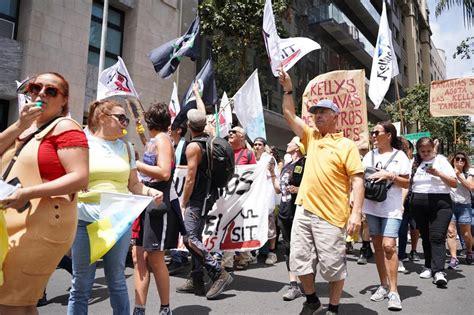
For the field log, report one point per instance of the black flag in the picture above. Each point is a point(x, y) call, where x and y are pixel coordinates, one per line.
point(207, 89)
point(167, 57)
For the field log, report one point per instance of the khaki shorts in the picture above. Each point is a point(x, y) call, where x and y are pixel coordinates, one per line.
point(313, 241)
point(271, 227)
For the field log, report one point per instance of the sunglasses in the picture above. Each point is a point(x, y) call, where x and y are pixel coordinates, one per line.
point(257, 144)
point(376, 133)
point(36, 88)
point(122, 118)
point(233, 132)
point(460, 158)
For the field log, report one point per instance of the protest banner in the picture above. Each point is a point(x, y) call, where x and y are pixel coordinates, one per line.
point(346, 88)
point(453, 97)
point(239, 218)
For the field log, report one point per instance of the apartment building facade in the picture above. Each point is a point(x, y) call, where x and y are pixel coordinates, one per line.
point(64, 36)
point(437, 63)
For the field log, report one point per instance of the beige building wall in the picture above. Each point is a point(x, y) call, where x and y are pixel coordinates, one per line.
point(416, 33)
point(438, 63)
point(149, 25)
point(55, 35)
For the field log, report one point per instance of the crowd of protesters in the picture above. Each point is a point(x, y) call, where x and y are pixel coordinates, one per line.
point(316, 196)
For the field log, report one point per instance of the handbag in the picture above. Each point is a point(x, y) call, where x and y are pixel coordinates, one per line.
point(376, 191)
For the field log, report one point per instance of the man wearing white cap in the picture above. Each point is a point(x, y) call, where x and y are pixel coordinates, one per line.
point(332, 167)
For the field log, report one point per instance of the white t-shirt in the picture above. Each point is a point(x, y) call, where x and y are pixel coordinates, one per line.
point(425, 183)
point(392, 207)
point(461, 194)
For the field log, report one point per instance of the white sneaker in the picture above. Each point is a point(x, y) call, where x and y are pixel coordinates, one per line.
point(380, 294)
point(426, 273)
point(440, 279)
point(394, 302)
point(271, 259)
point(401, 267)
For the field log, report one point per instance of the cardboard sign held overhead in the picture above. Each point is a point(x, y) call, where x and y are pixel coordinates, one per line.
point(453, 97)
point(346, 88)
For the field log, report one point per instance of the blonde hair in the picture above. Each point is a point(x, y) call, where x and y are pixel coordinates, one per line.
point(98, 109)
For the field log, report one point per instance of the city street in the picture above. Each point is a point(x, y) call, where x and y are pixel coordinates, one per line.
point(258, 290)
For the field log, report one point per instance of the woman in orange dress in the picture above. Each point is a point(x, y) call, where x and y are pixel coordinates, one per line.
point(51, 166)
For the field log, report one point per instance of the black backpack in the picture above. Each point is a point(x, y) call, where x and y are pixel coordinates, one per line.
point(220, 160)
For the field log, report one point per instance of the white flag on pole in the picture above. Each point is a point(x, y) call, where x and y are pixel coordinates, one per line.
point(248, 107)
point(115, 81)
point(283, 52)
point(174, 107)
point(384, 64)
point(225, 116)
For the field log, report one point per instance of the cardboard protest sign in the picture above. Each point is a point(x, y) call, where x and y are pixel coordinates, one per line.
point(453, 97)
point(346, 88)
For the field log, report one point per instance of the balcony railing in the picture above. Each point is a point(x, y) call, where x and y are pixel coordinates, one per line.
point(329, 12)
point(372, 11)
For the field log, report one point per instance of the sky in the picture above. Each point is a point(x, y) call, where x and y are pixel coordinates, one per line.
point(448, 31)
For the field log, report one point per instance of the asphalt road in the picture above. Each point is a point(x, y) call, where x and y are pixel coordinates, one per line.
point(259, 290)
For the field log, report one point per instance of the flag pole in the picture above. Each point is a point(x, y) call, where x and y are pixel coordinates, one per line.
point(103, 37)
point(136, 114)
point(225, 105)
point(402, 125)
point(218, 131)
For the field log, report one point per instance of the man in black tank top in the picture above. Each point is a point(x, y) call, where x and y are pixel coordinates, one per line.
point(193, 201)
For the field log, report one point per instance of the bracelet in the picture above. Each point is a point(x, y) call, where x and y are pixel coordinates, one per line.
point(287, 92)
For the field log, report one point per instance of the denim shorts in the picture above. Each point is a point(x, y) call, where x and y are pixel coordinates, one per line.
point(462, 213)
point(383, 226)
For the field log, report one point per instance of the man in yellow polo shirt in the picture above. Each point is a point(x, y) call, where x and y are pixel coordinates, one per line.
point(332, 167)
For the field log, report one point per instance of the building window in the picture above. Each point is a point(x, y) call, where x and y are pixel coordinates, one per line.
point(8, 18)
point(405, 70)
point(403, 19)
point(404, 44)
point(115, 26)
point(4, 107)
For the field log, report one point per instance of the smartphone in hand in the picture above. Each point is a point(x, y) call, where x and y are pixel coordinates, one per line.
point(15, 182)
point(427, 166)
